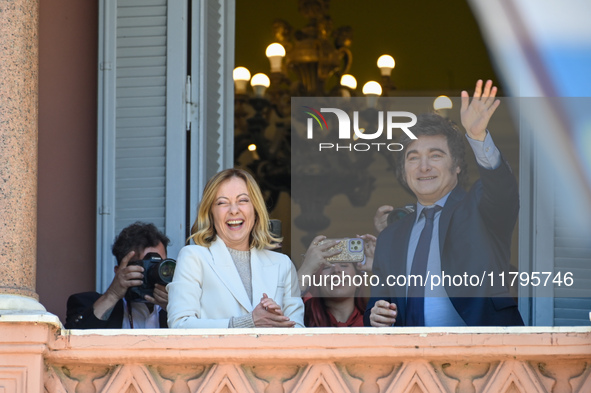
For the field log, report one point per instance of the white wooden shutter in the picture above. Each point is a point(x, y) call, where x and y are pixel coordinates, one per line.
point(554, 236)
point(142, 147)
point(212, 62)
point(146, 107)
point(572, 254)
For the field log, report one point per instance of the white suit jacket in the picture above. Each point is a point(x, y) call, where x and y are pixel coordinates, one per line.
point(206, 290)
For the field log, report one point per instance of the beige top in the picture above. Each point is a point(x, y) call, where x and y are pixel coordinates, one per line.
point(242, 262)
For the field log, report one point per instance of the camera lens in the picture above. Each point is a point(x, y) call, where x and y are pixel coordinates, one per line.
point(399, 213)
point(166, 270)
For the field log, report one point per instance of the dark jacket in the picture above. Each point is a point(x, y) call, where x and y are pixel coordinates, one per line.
point(475, 230)
point(80, 313)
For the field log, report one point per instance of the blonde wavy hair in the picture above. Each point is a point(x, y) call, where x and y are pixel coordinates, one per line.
point(203, 231)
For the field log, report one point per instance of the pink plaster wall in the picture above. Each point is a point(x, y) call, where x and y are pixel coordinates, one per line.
point(68, 34)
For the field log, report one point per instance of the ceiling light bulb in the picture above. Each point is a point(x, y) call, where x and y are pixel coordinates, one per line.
point(386, 64)
point(260, 79)
point(372, 91)
point(260, 82)
point(241, 77)
point(275, 52)
point(442, 102)
point(349, 81)
point(372, 88)
point(241, 74)
point(275, 49)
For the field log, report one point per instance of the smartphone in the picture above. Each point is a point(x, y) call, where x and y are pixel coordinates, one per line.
point(351, 250)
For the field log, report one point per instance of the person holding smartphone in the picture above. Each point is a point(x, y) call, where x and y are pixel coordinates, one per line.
point(335, 302)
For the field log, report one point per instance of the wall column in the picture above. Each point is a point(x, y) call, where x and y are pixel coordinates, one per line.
point(19, 63)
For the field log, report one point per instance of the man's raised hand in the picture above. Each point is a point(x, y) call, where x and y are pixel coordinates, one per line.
point(476, 114)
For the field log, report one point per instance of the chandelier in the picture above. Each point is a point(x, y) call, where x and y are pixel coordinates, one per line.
point(313, 61)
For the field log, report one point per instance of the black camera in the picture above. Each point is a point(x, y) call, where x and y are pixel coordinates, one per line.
point(399, 213)
point(275, 229)
point(156, 271)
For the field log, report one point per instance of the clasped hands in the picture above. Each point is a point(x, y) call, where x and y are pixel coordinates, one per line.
point(268, 314)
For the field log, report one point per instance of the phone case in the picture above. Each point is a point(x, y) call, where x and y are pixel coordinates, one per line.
point(351, 250)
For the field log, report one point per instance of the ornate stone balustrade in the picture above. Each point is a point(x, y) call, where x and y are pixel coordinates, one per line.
point(37, 356)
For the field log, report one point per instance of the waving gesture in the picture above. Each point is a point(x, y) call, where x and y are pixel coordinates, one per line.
point(476, 114)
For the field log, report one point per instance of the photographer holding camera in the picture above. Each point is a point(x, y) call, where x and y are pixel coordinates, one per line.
point(126, 303)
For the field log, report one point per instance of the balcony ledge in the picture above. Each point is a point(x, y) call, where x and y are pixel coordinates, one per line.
point(483, 359)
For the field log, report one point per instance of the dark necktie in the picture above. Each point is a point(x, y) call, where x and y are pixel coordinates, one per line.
point(415, 302)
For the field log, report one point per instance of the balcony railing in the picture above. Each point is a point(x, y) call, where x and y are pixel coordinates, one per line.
point(36, 355)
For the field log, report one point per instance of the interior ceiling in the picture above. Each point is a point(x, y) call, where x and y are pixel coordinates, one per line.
point(437, 44)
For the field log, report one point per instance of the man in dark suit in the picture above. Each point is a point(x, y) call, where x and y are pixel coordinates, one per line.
point(452, 232)
point(111, 310)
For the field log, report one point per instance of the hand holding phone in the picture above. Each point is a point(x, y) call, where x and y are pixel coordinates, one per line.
point(351, 250)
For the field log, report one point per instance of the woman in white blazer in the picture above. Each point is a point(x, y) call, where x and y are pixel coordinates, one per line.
point(230, 278)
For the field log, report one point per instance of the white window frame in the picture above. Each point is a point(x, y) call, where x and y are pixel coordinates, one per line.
point(189, 111)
